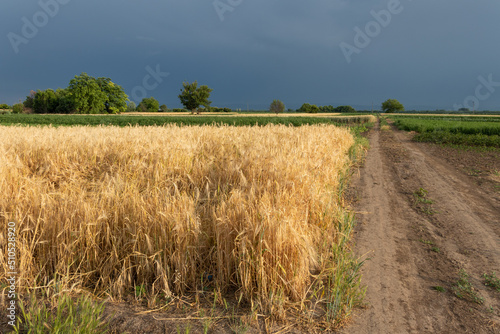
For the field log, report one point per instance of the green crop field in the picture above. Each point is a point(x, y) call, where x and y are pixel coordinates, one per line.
point(462, 130)
point(126, 120)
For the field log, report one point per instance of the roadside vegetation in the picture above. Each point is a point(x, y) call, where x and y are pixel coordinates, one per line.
point(251, 218)
point(467, 131)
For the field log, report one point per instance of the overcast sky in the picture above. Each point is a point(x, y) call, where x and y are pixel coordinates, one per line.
point(432, 54)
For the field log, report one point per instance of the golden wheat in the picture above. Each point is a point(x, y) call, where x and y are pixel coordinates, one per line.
point(175, 209)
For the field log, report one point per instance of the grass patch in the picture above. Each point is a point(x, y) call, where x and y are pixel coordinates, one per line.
point(439, 288)
point(463, 289)
point(492, 281)
point(82, 316)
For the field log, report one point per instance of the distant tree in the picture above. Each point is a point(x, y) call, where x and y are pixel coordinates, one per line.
point(314, 109)
point(193, 96)
point(277, 107)
point(149, 105)
point(344, 109)
point(65, 103)
point(18, 108)
point(328, 109)
point(4, 106)
point(131, 106)
point(116, 97)
point(306, 107)
point(392, 105)
point(95, 96)
point(45, 101)
point(163, 108)
point(28, 103)
point(464, 109)
point(87, 95)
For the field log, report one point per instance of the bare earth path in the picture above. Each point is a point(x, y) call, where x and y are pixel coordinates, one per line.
point(415, 246)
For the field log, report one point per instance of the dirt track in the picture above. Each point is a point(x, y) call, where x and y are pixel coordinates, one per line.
point(415, 246)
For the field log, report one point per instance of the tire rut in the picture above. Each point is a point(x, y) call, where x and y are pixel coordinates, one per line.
point(397, 236)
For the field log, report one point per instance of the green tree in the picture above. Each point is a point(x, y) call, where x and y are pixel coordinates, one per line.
point(116, 97)
point(392, 105)
point(328, 109)
point(131, 106)
point(17, 108)
point(65, 102)
point(193, 96)
point(306, 107)
point(163, 108)
point(344, 109)
point(87, 94)
point(149, 105)
point(45, 101)
point(314, 109)
point(277, 107)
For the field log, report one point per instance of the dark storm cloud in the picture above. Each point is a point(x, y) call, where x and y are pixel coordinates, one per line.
point(426, 54)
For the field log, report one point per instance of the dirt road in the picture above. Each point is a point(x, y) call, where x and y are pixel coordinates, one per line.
point(417, 248)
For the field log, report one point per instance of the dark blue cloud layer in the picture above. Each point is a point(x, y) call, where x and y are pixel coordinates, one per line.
point(427, 54)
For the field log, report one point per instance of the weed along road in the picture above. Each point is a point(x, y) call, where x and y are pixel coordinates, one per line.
point(432, 236)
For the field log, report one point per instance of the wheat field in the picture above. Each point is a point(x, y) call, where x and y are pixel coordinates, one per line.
point(253, 211)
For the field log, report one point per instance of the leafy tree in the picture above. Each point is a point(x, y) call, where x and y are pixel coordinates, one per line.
point(193, 96)
point(45, 101)
point(87, 94)
point(116, 97)
point(344, 109)
point(28, 103)
point(277, 107)
point(163, 108)
point(314, 109)
point(306, 107)
point(149, 105)
point(131, 106)
point(328, 109)
point(65, 102)
point(392, 105)
point(4, 106)
point(309, 108)
point(17, 108)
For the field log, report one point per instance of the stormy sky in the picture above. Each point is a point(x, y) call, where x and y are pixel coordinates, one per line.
point(439, 54)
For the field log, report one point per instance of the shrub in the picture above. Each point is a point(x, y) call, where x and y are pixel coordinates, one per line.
point(17, 108)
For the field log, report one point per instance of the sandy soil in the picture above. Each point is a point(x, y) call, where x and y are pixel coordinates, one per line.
point(414, 246)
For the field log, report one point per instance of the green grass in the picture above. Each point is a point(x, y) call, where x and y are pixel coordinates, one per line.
point(439, 288)
point(465, 290)
point(67, 316)
point(492, 281)
point(469, 131)
point(127, 120)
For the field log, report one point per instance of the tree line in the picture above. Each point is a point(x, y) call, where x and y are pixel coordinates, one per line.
point(88, 95)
